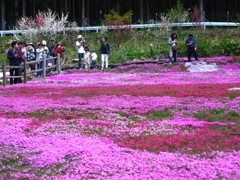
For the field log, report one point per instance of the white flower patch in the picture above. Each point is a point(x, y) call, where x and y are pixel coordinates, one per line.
point(234, 89)
point(201, 67)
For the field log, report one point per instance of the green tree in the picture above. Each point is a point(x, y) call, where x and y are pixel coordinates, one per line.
point(114, 17)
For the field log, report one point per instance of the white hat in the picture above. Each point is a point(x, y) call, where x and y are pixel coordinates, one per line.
point(29, 48)
point(44, 42)
point(79, 36)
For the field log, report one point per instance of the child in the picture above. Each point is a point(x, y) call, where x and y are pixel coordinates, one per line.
point(94, 59)
point(87, 58)
point(30, 57)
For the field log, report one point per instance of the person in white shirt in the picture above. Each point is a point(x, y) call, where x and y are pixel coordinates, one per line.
point(39, 56)
point(172, 42)
point(80, 48)
point(46, 50)
point(94, 59)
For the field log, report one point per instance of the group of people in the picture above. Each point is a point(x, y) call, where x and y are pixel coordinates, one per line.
point(191, 44)
point(87, 58)
point(20, 51)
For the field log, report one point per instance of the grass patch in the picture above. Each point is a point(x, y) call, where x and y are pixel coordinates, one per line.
point(234, 95)
point(159, 115)
point(218, 115)
point(150, 116)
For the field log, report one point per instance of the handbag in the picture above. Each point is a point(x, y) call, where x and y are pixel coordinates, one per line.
point(175, 48)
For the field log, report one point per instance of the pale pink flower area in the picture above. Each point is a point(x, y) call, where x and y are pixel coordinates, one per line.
point(137, 121)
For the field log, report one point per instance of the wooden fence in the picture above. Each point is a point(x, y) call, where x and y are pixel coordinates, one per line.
point(44, 69)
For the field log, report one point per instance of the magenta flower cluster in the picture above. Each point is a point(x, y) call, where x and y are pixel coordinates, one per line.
point(138, 121)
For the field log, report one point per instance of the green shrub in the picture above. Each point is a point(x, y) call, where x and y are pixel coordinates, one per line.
point(114, 17)
point(226, 46)
point(218, 115)
point(159, 115)
point(146, 43)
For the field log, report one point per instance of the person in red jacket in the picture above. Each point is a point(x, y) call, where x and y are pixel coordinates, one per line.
point(59, 50)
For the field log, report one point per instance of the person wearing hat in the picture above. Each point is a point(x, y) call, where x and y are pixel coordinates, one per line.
point(52, 47)
point(30, 57)
point(191, 44)
point(45, 48)
point(80, 48)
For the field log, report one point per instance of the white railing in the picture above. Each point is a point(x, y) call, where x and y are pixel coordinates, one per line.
point(138, 26)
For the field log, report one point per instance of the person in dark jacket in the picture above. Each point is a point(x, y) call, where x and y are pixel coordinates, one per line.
point(191, 44)
point(14, 60)
point(21, 57)
point(104, 52)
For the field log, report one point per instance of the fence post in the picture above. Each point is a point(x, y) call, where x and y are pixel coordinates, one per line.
point(4, 73)
point(44, 66)
point(58, 63)
point(25, 71)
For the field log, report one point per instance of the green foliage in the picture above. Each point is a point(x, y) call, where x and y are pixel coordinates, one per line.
point(159, 115)
point(227, 46)
point(204, 48)
point(218, 115)
point(132, 44)
point(177, 14)
point(4, 46)
point(114, 17)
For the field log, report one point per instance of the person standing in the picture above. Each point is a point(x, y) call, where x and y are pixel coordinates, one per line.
point(59, 50)
point(80, 48)
point(30, 57)
point(172, 42)
point(21, 58)
point(39, 56)
point(105, 52)
point(14, 56)
point(191, 44)
point(46, 50)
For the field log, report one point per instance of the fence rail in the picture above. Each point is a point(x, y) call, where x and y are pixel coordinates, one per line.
point(136, 26)
point(44, 69)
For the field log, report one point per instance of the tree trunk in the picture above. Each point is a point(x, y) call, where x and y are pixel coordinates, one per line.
point(16, 16)
point(130, 8)
point(141, 10)
point(83, 13)
point(148, 11)
point(3, 23)
point(23, 7)
point(66, 6)
point(201, 10)
point(34, 8)
point(88, 20)
point(118, 7)
point(73, 10)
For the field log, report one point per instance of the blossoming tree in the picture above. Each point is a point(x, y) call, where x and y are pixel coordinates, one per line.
point(45, 25)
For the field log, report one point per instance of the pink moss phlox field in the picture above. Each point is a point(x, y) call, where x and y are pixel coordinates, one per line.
point(136, 121)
